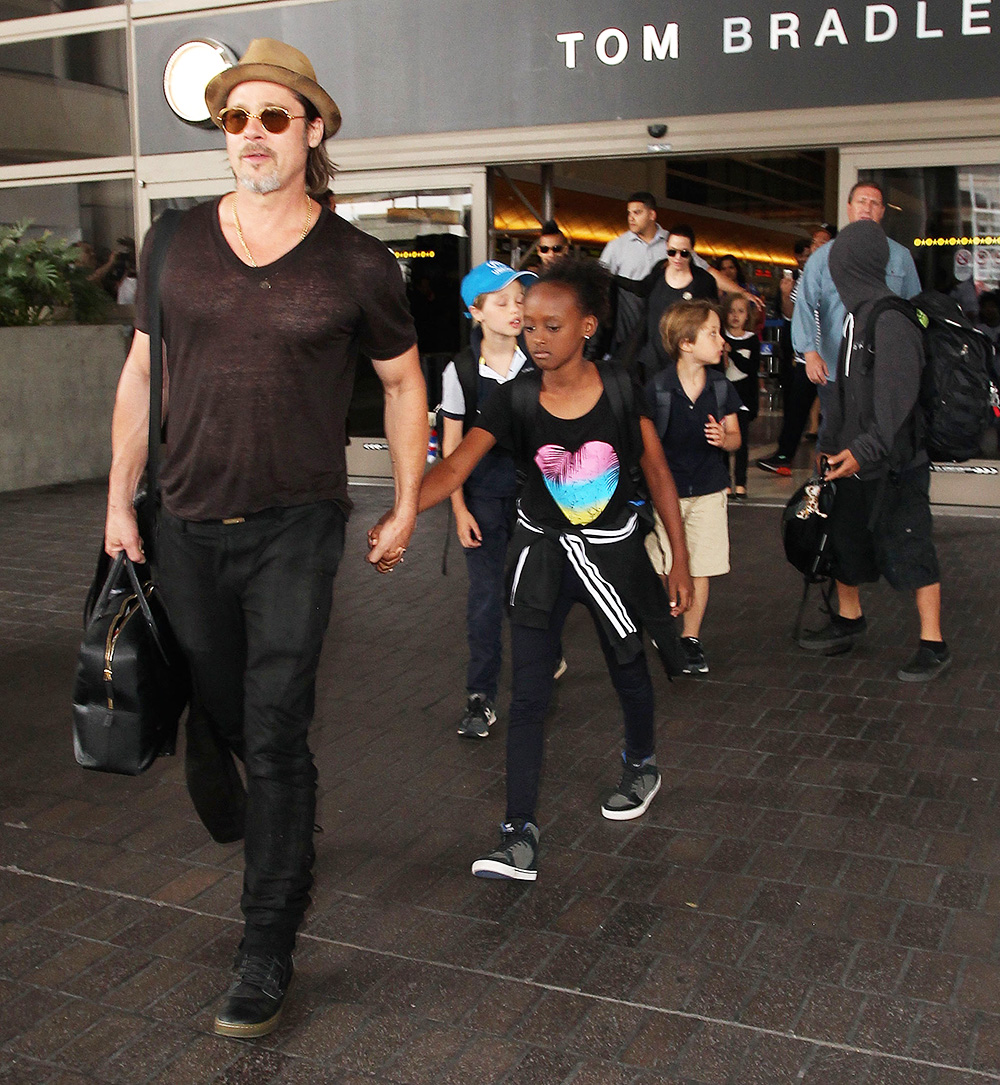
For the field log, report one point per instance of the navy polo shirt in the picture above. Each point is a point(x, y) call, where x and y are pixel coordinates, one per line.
point(697, 467)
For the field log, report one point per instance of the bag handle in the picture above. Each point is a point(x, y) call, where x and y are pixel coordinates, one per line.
point(109, 582)
point(143, 602)
point(123, 561)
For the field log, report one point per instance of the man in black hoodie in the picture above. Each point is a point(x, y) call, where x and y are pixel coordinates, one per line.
point(881, 519)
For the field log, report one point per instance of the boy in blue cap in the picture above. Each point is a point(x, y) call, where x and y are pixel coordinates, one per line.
point(484, 507)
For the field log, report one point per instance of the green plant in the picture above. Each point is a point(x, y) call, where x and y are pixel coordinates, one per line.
point(40, 279)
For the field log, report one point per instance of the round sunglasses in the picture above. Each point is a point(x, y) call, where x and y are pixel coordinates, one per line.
point(273, 118)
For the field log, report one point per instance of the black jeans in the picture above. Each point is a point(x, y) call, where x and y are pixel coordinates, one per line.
point(250, 603)
point(534, 654)
point(484, 607)
point(798, 404)
point(741, 457)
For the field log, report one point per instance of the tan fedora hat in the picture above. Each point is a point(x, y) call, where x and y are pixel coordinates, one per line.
point(274, 62)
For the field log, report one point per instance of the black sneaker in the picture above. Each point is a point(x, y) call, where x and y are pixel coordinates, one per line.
point(694, 656)
point(635, 791)
point(515, 858)
point(779, 465)
point(926, 665)
point(480, 715)
point(836, 637)
point(253, 1003)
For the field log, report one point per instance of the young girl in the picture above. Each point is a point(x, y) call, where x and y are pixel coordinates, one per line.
point(484, 506)
point(742, 367)
point(577, 540)
point(697, 430)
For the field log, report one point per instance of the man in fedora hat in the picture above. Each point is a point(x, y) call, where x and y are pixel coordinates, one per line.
point(267, 300)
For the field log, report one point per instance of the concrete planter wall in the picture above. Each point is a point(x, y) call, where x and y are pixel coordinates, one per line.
point(57, 390)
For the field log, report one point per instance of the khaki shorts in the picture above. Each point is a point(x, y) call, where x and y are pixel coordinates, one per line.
point(706, 530)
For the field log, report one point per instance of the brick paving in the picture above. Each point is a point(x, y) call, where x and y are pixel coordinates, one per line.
point(813, 897)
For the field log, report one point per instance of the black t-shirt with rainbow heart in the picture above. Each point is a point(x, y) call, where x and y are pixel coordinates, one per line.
point(576, 473)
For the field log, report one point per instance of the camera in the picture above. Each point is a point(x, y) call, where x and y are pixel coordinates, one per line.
point(657, 131)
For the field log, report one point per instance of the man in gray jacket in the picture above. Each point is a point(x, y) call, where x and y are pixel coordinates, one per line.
point(881, 519)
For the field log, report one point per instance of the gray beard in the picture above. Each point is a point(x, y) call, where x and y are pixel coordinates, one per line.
point(261, 185)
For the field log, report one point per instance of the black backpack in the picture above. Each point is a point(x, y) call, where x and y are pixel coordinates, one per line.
point(958, 386)
point(664, 401)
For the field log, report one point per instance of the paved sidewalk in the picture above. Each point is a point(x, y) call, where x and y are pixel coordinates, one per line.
point(813, 897)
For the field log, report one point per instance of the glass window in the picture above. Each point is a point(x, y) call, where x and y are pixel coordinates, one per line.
point(429, 233)
point(64, 98)
point(949, 218)
point(96, 213)
point(26, 9)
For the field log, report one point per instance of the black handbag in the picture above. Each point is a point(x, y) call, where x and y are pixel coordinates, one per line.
point(805, 533)
point(132, 682)
point(131, 679)
point(805, 528)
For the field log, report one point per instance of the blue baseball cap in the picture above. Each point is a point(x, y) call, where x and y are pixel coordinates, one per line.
point(489, 277)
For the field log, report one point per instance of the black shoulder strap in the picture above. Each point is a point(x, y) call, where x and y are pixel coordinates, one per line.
point(166, 226)
point(618, 386)
point(894, 304)
point(721, 395)
point(467, 371)
point(661, 410)
point(524, 392)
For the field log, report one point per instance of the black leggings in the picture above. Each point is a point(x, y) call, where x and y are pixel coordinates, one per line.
point(741, 457)
point(534, 654)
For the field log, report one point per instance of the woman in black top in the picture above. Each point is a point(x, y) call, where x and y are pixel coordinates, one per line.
point(675, 279)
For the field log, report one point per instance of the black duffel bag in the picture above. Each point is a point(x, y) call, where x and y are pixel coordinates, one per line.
point(132, 682)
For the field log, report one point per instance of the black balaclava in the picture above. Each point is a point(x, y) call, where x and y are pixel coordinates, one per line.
point(858, 259)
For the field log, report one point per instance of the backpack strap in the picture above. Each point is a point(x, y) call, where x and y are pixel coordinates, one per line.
point(665, 399)
point(467, 371)
point(720, 389)
point(721, 395)
point(524, 392)
point(889, 304)
point(618, 387)
point(661, 410)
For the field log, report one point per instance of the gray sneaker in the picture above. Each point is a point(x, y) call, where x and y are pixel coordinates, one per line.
point(515, 858)
point(635, 791)
point(480, 715)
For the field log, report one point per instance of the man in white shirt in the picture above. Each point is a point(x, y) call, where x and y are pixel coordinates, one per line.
point(634, 254)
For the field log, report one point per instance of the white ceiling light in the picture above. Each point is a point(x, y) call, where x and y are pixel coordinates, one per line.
point(188, 72)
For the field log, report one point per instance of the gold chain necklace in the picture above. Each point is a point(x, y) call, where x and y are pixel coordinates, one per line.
point(246, 247)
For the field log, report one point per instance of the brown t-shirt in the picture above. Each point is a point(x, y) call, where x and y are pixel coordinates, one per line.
point(261, 378)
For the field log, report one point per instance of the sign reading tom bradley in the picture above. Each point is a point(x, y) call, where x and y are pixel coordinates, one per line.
point(402, 67)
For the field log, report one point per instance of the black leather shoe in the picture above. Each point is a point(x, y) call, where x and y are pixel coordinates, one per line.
point(252, 1005)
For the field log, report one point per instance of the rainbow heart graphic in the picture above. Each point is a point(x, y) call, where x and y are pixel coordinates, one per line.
point(581, 483)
